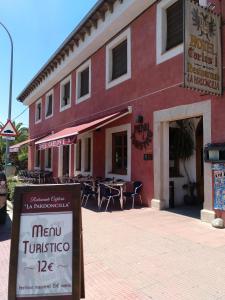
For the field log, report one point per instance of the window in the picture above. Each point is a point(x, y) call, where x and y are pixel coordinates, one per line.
point(174, 24)
point(87, 161)
point(38, 110)
point(48, 159)
point(83, 154)
point(169, 35)
point(118, 59)
point(83, 80)
point(37, 159)
point(119, 153)
point(78, 155)
point(65, 93)
point(49, 105)
point(66, 160)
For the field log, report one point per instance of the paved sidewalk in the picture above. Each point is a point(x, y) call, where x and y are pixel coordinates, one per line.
point(145, 254)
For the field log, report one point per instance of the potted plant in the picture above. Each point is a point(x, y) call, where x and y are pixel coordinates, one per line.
point(183, 150)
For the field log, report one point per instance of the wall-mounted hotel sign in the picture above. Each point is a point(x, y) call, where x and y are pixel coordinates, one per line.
point(202, 59)
point(46, 260)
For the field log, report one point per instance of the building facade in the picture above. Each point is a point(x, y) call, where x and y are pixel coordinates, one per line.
point(109, 100)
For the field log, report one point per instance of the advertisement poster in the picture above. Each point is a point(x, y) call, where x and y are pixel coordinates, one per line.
point(203, 67)
point(219, 186)
point(45, 245)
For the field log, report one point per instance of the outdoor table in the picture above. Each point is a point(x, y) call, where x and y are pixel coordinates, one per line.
point(121, 185)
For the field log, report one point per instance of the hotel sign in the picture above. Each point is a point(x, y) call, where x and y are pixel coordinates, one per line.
point(46, 240)
point(203, 67)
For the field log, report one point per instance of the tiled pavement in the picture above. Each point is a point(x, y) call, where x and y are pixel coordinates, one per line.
point(145, 254)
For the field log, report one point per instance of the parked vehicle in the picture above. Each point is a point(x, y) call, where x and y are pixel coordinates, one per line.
point(3, 197)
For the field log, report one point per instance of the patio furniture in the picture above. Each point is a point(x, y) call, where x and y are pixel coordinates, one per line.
point(87, 192)
point(137, 186)
point(107, 193)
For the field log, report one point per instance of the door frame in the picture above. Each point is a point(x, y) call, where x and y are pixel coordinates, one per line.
point(161, 120)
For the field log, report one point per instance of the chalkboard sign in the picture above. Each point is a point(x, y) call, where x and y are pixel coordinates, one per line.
point(46, 259)
point(219, 186)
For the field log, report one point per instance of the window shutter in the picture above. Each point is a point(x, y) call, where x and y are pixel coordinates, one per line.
point(174, 25)
point(84, 82)
point(119, 60)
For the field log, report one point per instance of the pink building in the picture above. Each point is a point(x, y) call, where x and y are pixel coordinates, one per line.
point(108, 100)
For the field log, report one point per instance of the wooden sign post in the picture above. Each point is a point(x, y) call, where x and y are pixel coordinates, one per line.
point(46, 259)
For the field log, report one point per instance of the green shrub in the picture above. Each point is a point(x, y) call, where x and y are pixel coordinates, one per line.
point(12, 182)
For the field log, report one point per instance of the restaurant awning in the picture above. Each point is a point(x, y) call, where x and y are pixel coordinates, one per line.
point(68, 135)
point(15, 148)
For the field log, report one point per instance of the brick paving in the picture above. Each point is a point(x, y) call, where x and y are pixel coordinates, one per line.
point(145, 254)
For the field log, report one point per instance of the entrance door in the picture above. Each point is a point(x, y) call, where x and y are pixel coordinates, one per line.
point(66, 161)
point(200, 162)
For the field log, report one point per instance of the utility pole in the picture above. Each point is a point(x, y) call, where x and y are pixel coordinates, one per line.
point(10, 92)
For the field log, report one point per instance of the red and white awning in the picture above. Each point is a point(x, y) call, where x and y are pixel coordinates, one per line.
point(15, 148)
point(69, 135)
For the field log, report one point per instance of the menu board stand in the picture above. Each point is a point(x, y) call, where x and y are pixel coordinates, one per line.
point(46, 257)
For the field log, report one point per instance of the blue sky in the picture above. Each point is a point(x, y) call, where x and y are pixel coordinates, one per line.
point(37, 29)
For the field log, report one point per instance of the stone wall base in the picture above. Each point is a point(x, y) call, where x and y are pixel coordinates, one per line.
point(157, 204)
point(207, 215)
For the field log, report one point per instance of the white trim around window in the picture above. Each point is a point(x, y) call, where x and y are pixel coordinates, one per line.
point(108, 152)
point(79, 98)
point(161, 34)
point(50, 93)
point(83, 138)
point(62, 84)
point(36, 107)
point(46, 159)
point(125, 35)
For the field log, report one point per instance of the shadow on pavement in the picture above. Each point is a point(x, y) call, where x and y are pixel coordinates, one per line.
point(93, 206)
point(5, 229)
point(188, 211)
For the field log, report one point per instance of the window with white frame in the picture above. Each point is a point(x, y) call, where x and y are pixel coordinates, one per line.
point(48, 159)
point(84, 154)
point(37, 159)
point(49, 105)
point(118, 59)
point(65, 93)
point(38, 111)
point(169, 41)
point(83, 82)
point(118, 152)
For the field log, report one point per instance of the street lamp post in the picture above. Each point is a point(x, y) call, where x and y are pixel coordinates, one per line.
point(10, 92)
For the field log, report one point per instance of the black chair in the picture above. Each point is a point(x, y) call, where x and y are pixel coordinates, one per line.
point(137, 186)
point(87, 193)
point(108, 193)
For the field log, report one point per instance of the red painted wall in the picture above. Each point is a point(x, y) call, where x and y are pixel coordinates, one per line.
point(152, 87)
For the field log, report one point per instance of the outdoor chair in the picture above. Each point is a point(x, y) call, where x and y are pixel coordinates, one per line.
point(137, 186)
point(108, 194)
point(87, 193)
